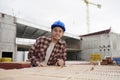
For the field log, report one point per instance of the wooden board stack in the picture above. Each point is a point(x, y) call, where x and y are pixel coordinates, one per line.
point(70, 72)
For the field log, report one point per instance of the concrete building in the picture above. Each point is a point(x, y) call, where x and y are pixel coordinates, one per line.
point(7, 36)
point(18, 35)
point(100, 45)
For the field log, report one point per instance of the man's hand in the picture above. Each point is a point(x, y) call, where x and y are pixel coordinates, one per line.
point(42, 64)
point(60, 62)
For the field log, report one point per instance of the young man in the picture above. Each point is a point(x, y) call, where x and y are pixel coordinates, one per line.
point(49, 50)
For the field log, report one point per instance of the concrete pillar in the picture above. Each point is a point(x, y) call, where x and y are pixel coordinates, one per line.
point(7, 35)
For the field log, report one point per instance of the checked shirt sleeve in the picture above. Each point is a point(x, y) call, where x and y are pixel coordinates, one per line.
point(32, 55)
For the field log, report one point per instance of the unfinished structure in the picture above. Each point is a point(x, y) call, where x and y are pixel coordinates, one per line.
point(7, 36)
point(99, 45)
point(18, 35)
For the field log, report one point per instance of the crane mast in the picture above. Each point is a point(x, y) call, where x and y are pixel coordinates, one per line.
point(87, 13)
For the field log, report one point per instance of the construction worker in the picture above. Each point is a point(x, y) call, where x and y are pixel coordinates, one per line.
point(49, 50)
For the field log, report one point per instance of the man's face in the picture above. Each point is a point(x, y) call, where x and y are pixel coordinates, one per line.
point(57, 33)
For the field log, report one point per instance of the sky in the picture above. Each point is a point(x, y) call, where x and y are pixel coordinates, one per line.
point(72, 12)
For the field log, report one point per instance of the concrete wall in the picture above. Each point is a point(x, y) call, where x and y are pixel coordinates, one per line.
point(103, 44)
point(21, 56)
point(95, 44)
point(115, 47)
point(7, 35)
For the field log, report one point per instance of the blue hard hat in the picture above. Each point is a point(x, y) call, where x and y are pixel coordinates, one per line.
point(58, 24)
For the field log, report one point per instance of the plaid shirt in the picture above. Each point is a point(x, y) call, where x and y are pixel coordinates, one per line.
point(37, 52)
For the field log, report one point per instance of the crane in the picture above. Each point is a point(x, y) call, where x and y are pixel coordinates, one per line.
point(87, 13)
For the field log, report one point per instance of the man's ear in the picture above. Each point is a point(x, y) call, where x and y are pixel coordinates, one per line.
point(51, 30)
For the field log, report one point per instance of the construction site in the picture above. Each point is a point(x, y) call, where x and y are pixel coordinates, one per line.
point(90, 56)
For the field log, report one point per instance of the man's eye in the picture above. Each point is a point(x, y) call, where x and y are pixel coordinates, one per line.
point(60, 31)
